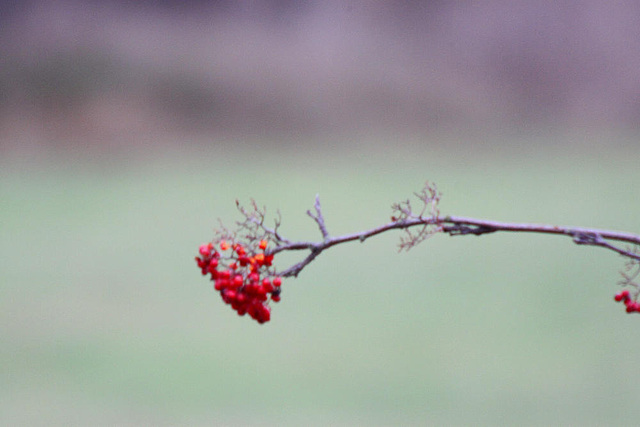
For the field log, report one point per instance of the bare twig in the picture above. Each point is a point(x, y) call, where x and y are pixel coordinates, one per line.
point(426, 223)
point(318, 218)
point(251, 247)
point(456, 226)
point(459, 226)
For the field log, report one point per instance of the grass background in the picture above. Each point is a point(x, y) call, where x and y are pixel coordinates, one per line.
point(105, 319)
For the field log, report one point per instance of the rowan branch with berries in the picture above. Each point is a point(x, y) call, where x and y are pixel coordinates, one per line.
point(240, 261)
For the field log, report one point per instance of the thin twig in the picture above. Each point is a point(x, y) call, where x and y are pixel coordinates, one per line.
point(458, 226)
point(427, 223)
point(318, 218)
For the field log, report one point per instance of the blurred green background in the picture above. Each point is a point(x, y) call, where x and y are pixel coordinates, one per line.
point(106, 193)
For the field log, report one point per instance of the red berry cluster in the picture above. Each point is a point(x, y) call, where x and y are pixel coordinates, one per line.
point(242, 276)
point(631, 304)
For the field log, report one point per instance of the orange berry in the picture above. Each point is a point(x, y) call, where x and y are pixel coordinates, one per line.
point(259, 258)
point(263, 244)
point(224, 245)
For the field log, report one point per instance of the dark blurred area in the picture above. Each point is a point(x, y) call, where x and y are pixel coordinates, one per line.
point(110, 72)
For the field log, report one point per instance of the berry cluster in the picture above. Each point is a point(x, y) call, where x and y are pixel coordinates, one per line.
point(242, 275)
point(631, 304)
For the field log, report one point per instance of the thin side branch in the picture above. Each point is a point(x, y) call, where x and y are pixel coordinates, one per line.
point(318, 218)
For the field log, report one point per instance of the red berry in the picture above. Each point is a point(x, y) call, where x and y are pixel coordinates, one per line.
point(265, 314)
point(229, 296)
point(202, 264)
point(267, 285)
point(261, 293)
point(259, 312)
point(254, 289)
point(237, 281)
point(631, 305)
point(205, 249)
point(239, 275)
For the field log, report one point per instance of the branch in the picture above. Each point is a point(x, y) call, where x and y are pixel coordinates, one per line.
point(427, 222)
point(250, 257)
point(458, 226)
point(318, 218)
point(461, 226)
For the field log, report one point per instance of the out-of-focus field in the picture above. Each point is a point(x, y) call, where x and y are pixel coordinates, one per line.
point(105, 319)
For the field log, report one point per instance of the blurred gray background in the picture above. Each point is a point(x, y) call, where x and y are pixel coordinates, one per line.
point(111, 70)
point(128, 128)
